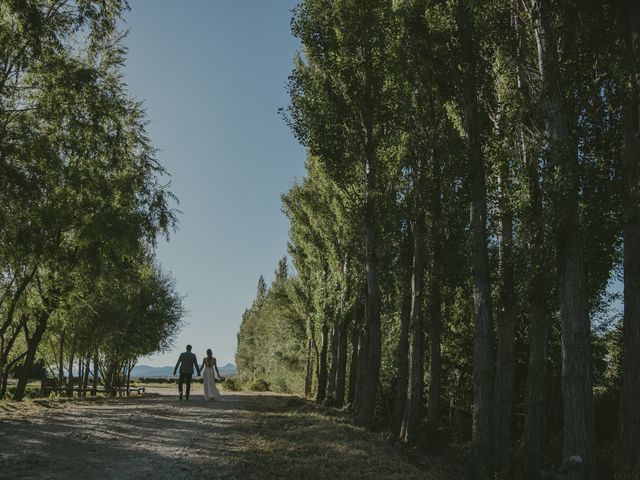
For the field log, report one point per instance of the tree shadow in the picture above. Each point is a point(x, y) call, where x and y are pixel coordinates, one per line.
point(240, 437)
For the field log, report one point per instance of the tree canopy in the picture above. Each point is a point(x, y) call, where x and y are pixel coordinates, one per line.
point(82, 200)
point(469, 209)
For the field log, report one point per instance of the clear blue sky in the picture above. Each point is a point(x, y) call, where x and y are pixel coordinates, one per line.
point(212, 75)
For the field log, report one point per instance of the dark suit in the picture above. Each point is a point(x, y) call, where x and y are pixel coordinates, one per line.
point(186, 362)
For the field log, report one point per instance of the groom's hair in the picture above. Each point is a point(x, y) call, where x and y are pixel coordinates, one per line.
point(188, 348)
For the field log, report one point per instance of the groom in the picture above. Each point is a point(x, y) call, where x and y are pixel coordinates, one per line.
point(186, 362)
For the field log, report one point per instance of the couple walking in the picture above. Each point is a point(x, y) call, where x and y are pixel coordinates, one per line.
point(187, 362)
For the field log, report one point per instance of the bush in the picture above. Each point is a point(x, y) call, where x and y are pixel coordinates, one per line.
point(280, 385)
point(231, 385)
point(155, 380)
point(260, 385)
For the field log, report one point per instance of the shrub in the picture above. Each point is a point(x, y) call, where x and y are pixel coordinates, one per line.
point(260, 385)
point(231, 385)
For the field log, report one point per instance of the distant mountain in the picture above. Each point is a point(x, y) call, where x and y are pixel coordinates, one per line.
point(145, 371)
point(228, 369)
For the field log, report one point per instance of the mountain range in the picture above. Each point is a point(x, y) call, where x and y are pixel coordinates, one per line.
point(145, 371)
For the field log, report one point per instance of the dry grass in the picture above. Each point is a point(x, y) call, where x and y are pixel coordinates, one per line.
point(297, 439)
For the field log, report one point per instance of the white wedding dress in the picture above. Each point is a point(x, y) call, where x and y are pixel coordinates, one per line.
point(209, 381)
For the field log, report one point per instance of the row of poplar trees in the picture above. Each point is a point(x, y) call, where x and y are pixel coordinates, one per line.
point(471, 207)
point(82, 202)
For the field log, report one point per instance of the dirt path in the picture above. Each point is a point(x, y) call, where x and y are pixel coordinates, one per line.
point(244, 436)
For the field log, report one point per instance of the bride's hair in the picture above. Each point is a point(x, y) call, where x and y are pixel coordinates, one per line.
point(209, 352)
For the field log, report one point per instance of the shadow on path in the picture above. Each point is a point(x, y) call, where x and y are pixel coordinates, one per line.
point(244, 436)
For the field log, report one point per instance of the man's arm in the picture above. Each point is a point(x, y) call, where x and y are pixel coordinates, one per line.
point(197, 366)
point(177, 365)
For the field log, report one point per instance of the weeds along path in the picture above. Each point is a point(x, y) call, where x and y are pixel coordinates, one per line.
point(244, 436)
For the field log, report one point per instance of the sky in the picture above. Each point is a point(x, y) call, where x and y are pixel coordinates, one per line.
point(212, 75)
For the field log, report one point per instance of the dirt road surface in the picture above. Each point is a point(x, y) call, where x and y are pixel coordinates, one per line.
point(243, 436)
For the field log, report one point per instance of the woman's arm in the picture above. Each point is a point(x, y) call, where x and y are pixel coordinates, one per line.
point(215, 365)
point(202, 367)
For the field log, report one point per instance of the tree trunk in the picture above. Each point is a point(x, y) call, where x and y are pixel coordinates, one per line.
point(371, 340)
point(17, 295)
point(85, 380)
point(333, 369)
point(577, 392)
point(435, 356)
point(353, 367)
point(308, 379)
point(130, 366)
point(2, 365)
point(80, 374)
point(403, 343)
point(70, 376)
point(535, 431)
point(322, 366)
point(96, 377)
point(412, 413)
point(505, 358)
point(4, 355)
point(5, 375)
point(360, 372)
point(628, 459)
point(341, 373)
point(32, 348)
point(61, 360)
point(482, 435)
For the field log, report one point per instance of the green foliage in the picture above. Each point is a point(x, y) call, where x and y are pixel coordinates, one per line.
point(82, 197)
point(378, 98)
point(271, 338)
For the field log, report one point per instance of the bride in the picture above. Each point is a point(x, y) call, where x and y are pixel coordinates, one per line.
point(208, 377)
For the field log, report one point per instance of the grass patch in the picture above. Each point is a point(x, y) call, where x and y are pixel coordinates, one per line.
point(294, 438)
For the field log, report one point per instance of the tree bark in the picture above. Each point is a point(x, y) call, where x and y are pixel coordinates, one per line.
point(410, 427)
point(435, 356)
point(341, 368)
point(628, 459)
point(505, 358)
point(371, 340)
point(535, 431)
point(577, 392)
point(400, 397)
point(70, 376)
point(32, 348)
point(130, 365)
point(96, 374)
point(4, 355)
point(61, 360)
point(322, 367)
point(333, 369)
point(360, 372)
point(85, 380)
point(11, 309)
point(308, 379)
point(353, 367)
point(483, 361)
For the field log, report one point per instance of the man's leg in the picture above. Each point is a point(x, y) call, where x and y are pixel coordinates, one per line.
point(180, 382)
point(187, 378)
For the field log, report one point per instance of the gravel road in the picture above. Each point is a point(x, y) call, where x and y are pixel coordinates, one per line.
point(145, 437)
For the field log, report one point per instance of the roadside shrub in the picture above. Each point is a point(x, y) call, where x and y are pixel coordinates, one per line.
point(231, 385)
point(155, 380)
point(260, 385)
point(280, 386)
